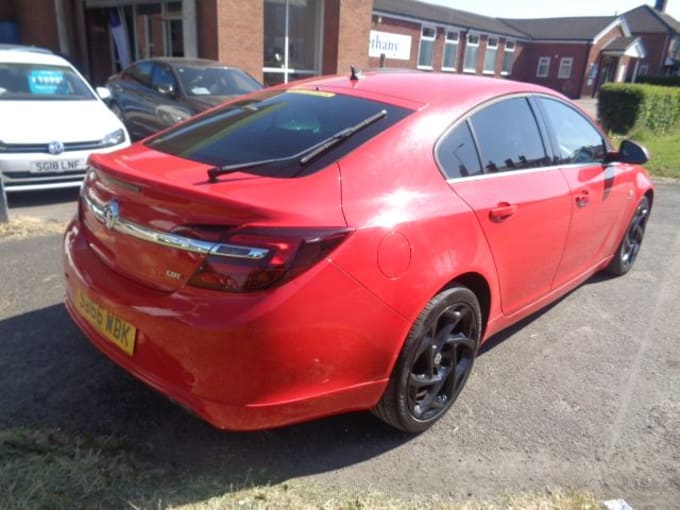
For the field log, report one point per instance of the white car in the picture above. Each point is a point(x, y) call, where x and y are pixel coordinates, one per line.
point(51, 120)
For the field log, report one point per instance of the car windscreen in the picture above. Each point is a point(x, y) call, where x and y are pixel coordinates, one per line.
point(215, 81)
point(43, 82)
point(280, 127)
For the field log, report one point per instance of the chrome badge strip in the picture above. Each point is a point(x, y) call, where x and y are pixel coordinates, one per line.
point(109, 215)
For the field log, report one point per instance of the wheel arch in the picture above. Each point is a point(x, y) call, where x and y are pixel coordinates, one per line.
point(480, 287)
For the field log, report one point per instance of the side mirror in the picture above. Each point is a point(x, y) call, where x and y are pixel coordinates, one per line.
point(629, 152)
point(166, 90)
point(103, 93)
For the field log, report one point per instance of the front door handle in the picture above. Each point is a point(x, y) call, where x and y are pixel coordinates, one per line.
point(582, 198)
point(502, 212)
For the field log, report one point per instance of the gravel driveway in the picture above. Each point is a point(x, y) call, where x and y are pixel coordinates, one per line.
point(585, 394)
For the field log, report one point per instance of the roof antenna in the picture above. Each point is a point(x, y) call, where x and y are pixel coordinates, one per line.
point(356, 73)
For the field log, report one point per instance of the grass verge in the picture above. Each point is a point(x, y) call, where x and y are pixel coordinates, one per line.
point(53, 470)
point(26, 226)
point(664, 152)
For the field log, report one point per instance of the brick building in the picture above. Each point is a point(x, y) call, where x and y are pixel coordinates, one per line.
point(283, 40)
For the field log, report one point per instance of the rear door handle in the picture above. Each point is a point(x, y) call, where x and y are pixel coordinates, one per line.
point(582, 198)
point(502, 212)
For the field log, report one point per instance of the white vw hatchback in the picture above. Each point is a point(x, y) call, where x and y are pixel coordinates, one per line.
point(50, 121)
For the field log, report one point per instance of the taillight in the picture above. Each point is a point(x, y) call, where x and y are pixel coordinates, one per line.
point(256, 259)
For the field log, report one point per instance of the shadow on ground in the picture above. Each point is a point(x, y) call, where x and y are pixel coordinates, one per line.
point(53, 379)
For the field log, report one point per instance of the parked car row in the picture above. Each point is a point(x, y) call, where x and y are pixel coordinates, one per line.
point(53, 120)
point(344, 243)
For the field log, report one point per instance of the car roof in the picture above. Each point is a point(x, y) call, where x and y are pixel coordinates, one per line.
point(32, 56)
point(423, 88)
point(23, 47)
point(184, 61)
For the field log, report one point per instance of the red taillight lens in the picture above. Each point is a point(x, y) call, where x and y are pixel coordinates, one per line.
point(250, 260)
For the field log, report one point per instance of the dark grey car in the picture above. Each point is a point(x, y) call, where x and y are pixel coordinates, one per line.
point(153, 94)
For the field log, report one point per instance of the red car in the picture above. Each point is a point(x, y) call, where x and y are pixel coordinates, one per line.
point(345, 243)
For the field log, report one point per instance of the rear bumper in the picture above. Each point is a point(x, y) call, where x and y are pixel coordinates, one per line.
point(319, 345)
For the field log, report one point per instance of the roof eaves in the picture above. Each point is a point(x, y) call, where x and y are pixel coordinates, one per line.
point(509, 31)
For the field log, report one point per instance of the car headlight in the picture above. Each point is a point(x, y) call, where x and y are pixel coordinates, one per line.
point(114, 138)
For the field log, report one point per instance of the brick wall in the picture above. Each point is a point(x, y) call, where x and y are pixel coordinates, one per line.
point(655, 48)
point(37, 23)
point(7, 11)
point(353, 34)
point(413, 30)
point(232, 31)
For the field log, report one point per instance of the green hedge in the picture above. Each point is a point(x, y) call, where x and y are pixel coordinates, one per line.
point(622, 107)
point(665, 81)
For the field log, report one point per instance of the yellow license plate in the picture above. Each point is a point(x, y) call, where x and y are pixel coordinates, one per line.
point(110, 326)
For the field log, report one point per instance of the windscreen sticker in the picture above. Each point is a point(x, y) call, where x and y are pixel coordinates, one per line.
point(44, 82)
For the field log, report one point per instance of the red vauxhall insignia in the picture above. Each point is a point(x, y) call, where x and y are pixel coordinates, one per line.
point(345, 243)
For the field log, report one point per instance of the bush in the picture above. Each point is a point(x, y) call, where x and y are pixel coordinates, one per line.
point(665, 81)
point(623, 107)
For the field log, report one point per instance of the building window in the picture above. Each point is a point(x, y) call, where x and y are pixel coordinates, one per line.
point(427, 36)
point(470, 62)
point(450, 58)
point(644, 69)
point(508, 57)
point(566, 64)
point(292, 40)
point(543, 68)
point(490, 56)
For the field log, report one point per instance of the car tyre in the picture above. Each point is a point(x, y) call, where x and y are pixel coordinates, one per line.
point(627, 251)
point(434, 363)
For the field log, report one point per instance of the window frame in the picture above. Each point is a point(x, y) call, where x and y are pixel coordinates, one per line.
point(507, 51)
point(543, 61)
point(431, 39)
point(448, 42)
point(545, 134)
point(553, 144)
point(564, 61)
point(468, 45)
point(486, 54)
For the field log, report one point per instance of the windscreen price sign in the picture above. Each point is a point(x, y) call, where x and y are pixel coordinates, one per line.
point(393, 46)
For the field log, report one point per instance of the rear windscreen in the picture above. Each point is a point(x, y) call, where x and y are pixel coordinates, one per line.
point(276, 126)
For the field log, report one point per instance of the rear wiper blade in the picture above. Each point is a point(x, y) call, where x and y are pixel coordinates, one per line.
point(214, 173)
point(326, 144)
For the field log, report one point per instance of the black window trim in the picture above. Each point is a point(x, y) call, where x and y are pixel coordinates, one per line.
point(544, 134)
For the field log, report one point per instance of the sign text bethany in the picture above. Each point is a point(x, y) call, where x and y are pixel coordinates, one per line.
point(394, 46)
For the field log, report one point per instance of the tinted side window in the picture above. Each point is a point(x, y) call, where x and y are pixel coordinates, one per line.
point(457, 154)
point(508, 136)
point(141, 72)
point(162, 77)
point(576, 139)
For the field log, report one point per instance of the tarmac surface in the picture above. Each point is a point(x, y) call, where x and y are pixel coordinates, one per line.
point(584, 395)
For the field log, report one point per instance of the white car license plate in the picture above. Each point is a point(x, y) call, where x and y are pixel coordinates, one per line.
point(57, 165)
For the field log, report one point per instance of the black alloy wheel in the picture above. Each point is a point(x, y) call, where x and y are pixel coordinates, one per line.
point(435, 362)
point(628, 250)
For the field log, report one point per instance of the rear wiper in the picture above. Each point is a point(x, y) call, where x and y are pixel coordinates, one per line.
point(338, 137)
point(321, 147)
point(214, 173)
